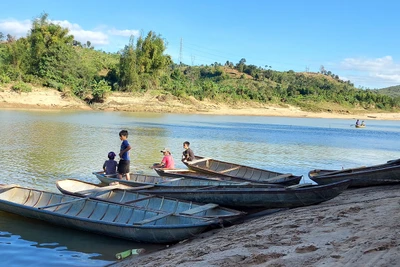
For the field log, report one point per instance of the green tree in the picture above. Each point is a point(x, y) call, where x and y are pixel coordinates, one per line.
point(128, 69)
point(150, 54)
point(15, 58)
point(51, 48)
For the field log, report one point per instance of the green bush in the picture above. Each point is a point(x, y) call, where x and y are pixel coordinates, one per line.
point(100, 90)
point(21, 87)
point(54, 84)
point(4, 79)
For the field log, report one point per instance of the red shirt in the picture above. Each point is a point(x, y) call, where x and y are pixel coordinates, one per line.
point(168, 161)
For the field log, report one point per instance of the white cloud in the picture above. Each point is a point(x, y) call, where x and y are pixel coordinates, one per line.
point(125, 33)
point(380, 72)
point(95, 37)
point(98, 37)
point(15, 28)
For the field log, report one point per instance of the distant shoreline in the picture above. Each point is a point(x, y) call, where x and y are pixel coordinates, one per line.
point(50, 99)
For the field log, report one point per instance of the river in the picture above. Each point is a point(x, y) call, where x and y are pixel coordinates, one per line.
point(40, 147)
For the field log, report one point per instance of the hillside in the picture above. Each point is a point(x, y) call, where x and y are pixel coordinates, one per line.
point(144, 69)
point(392, 91)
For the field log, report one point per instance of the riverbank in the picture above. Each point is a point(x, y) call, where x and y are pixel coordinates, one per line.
point(50, 99)
point(360, 227)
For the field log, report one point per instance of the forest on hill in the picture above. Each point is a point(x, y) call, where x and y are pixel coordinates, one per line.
point(393, 91)
point(50, 56)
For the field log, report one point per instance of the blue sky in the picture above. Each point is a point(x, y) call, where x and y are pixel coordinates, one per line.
point(357, 40)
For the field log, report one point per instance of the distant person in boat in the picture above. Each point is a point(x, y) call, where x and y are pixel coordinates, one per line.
point(124, 155)
point(187, 154)
point(167, 161)
point(357, 122)
point(362, 123)
point(110, 165)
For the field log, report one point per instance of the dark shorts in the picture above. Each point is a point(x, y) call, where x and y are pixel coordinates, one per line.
point(123, 166)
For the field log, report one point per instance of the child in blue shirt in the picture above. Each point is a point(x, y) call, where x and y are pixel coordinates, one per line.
point(124, 154)
point(110, 165)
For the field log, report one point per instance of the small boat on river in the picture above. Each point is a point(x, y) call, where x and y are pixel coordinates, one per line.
point(383, 174)
point(122, 221)
point(246, 197)
point(130, 196)
point(141, 180)
point(236, 172)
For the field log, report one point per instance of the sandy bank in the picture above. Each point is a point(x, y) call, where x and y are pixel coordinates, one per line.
point(360, 227)
point(49, 99)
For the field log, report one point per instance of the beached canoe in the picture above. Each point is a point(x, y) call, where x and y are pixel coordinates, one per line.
point(383, 174)
point(256, 196)
point(236, 172)
point(130, 196)
point(141, 180)
point(122, 221)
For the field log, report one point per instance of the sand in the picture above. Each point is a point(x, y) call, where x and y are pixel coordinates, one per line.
point(50, 99)
point(360, 227)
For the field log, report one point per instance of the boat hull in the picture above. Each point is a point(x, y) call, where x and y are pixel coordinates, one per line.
point(236, 172)
point(383, 174)
point(248, 197)
point(148, 201)
point(99, 217)
point(141, 180)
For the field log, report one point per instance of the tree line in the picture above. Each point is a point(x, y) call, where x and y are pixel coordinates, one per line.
point(49, 56)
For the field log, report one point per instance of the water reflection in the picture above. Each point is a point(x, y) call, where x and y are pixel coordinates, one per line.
point(39, 242)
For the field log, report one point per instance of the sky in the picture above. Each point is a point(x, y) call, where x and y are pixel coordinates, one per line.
point(357, 40)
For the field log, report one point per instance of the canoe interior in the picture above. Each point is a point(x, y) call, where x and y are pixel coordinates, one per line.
point(147, 201)
point(138, 180)
point(237, 171)
point(101, 217)
point(87, 209)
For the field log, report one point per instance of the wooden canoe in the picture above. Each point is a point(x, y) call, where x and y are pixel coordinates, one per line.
point(236, 172)
point(123, 195)
point(256, 196)
point(140, 180)
point(387, 173)
point(122, 221)
point(360, 126)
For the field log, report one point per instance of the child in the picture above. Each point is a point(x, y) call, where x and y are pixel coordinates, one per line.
point(124, 154)
point(187, 154)
point(110, 165)
point(167, 161)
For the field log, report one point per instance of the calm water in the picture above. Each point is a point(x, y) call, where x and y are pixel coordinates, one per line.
point(39, 148)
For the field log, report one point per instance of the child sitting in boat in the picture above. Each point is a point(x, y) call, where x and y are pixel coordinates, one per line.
point(187, 154)
point(167, 161)
point(110, 165)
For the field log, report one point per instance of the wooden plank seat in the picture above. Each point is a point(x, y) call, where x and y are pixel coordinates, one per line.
point(152, 219)
point(176, 170)
point(298, 185)
point(197, 161)
point(285, 175)
point(199, 209)
point(231, 169)
point(62, 203)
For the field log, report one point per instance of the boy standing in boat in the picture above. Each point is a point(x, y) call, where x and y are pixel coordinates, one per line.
point(187, 154)
point(124, 154)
